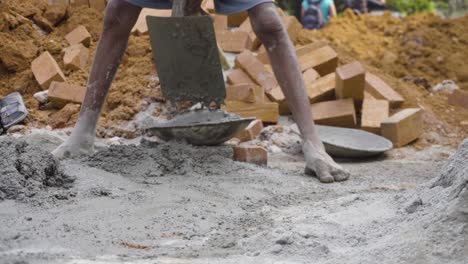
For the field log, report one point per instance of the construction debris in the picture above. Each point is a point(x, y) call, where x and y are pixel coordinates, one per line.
point(251, 154)
point(46, 70)
point(403, 127)
point(79, 35)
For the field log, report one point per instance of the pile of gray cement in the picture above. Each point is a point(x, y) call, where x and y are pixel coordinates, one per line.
point(157, 160)
point(26, 170)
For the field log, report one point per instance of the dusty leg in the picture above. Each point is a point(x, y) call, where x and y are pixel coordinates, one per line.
point(270, 30)
point(120, 16)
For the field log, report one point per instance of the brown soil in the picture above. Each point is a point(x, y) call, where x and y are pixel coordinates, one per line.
point(423, 49)
point(412, 55)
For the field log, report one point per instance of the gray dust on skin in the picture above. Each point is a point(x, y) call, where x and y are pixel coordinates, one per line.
point(175, 203)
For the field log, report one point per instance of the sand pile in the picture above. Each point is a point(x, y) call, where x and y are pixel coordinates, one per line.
point(26, 170)
point(23, 38)
point(412, 55)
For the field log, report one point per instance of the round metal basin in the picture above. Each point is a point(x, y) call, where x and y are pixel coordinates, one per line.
point(201, 127)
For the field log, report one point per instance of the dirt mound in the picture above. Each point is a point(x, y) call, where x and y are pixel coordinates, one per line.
point(411, 54)
point(26, 170)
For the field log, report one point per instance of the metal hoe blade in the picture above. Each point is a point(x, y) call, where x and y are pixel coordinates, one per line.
point(187, 59)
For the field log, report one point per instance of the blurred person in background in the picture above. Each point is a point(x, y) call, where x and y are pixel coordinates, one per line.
point(317, 13)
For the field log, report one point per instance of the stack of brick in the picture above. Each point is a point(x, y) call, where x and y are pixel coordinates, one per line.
point(343, 96)
point(234, 32)
point(50, 76)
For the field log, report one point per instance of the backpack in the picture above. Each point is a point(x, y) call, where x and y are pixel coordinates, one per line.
point(313, 17)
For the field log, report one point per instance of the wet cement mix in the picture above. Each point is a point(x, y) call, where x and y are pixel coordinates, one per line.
point(177, 203)
point(27, 170)
point(410, 54)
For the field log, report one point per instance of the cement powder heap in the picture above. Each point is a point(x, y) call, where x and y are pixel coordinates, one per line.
point(26, 170)
point(440, 213)
point(172, 158)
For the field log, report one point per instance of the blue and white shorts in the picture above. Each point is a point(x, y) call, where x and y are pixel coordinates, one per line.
point(225, 7)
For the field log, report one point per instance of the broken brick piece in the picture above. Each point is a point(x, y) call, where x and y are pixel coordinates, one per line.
point(381, 90)
point(267, 112)
point(251, 154)
point(251, 131)
point(79, 35)
point(243, 92)
point(403, 127)
point(324, 60)
point(64, 116)
point(322, 89)
point(340, 113)
point(459, 97)
point(141, 27)
point(61, 93)
point(99, 5)
point(374, 112)
point(46, 70)
point(233, 41)
point(350, 81)
point(256, 70)
point(235, 20)
point(76, 57)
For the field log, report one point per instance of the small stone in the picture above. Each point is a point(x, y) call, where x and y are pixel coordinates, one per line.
point(414, 206)
point(446, 86)
point(42, 96)
point(276, 249)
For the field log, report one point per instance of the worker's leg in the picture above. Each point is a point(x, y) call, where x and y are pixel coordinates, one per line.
point(119, 18)
point(271, 32)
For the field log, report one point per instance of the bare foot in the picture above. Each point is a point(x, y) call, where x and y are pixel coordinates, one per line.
point(321, 165)
point(73, 147)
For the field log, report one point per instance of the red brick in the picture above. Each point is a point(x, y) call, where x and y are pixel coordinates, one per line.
point(256, 70)
point(247, 27)
point(251, 154)
point(219, 22)
point(459, 98)
point(79, 35)
point(76, 57)
point(99, 5)
point(46, 70)
point(267, 112)
point(61, 93)
point(374, 112)
point(324, 60)
point(141, 28)
point(350, 81)
point(251, 131)
point(243, 92)
point(340, 113)
point(381, 90)
point(322, 89)
point(403, 127)
point(235, 20)
point(238, 76)
point(310, 75)
point(233, 41)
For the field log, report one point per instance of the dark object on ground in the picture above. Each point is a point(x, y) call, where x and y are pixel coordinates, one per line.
point(12, 110)
point(202, 127)
point(186, 54)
